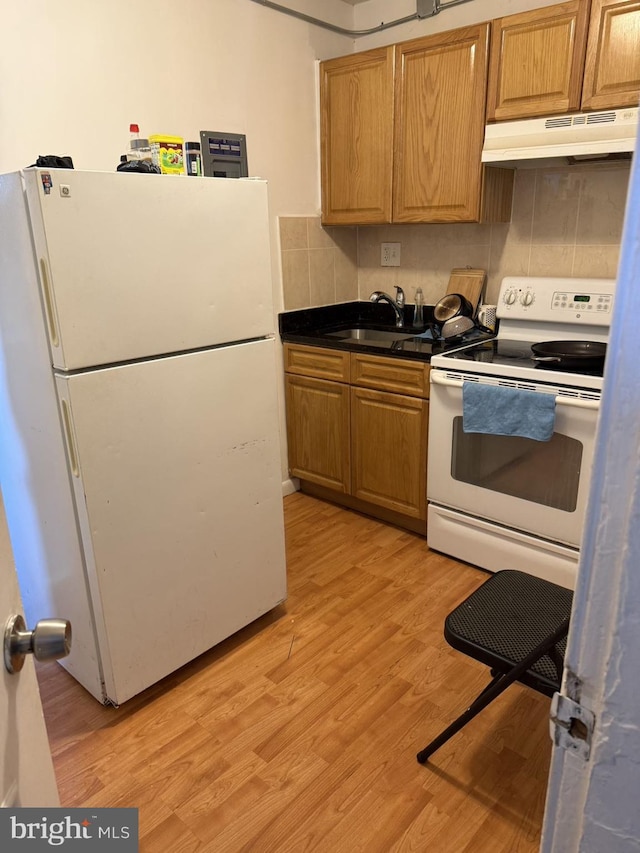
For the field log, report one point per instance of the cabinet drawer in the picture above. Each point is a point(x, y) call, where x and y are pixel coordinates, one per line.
point(318, 362)
point(400, 376)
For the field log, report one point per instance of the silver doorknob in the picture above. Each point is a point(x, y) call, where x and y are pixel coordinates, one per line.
point(49, 640)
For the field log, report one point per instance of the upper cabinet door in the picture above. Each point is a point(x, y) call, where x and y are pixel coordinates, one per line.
point(537, 60)
point(356, 97)
point(439, 126)
point(612, 70)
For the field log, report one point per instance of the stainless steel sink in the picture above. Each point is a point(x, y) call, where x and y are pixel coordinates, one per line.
point(382, 337)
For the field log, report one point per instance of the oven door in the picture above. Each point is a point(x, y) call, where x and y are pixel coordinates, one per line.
point(540, 487)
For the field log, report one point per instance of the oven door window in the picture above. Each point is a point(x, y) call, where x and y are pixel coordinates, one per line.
point(543, 472)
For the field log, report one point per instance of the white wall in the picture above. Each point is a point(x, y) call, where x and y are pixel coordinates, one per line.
point(75, 73)
point(375, 12)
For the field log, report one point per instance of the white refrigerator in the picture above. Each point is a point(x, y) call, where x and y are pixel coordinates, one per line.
point(139, 430)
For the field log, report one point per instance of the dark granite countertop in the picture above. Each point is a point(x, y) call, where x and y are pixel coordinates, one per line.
point(322, 327)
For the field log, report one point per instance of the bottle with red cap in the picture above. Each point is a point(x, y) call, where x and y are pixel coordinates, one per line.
point(139, 149)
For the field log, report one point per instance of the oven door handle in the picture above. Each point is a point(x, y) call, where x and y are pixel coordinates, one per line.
point(577, 403)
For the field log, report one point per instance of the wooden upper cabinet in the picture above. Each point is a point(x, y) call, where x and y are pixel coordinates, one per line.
point(439, 126)
point(356, 139)
point(537, 62)
point(612, 68)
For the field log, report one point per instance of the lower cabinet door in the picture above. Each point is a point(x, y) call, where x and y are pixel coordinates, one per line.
point(318, 431)
point(389, 450)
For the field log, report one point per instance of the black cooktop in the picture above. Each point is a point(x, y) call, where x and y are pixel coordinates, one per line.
point(513, 354)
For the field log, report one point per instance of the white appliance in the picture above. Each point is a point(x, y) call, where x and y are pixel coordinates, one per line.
point(505, 501)
point(140, 457)
point(580, 136)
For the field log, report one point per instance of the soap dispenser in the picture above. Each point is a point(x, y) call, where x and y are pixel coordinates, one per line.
point(418, 319)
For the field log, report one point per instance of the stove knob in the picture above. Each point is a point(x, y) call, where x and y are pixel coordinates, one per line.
point(527, 298)
point(510, 297)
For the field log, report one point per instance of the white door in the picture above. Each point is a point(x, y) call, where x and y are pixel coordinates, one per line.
point(26, 776)
point(592, 805)
point(136, 265)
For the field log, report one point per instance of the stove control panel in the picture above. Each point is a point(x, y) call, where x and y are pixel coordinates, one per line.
point(572, 301)
point(556, 300)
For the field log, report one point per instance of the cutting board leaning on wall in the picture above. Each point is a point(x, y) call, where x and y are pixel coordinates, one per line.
point(469, 283)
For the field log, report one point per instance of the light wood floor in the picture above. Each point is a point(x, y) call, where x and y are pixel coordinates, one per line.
point(300, 732)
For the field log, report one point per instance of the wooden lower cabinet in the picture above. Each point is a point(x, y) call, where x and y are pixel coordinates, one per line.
point(389, 450)
point(360, 441)
point(318, 431)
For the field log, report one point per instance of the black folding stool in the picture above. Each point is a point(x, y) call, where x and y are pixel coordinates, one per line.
point(517, 625)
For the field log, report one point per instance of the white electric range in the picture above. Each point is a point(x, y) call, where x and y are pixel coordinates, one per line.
point(505, 501)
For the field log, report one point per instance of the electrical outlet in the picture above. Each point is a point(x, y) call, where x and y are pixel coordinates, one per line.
point(389, 254)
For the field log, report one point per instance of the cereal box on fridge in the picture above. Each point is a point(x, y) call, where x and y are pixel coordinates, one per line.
point(167, 152)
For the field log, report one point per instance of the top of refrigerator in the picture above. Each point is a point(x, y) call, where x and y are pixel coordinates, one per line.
point(134, 266)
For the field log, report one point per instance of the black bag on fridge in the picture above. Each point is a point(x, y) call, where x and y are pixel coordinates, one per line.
point(52, 161)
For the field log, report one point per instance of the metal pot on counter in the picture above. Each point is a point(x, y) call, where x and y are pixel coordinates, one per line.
point(456, 327)
point(454, 313)
point(450, 306)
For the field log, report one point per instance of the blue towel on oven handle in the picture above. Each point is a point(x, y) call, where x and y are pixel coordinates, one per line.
point(498, 410)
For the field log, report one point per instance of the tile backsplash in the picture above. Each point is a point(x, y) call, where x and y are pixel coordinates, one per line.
point(566, 221)
point(319, 265)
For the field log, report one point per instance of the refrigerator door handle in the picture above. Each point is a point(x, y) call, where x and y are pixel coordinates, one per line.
point(71, 445)
point(48, 301)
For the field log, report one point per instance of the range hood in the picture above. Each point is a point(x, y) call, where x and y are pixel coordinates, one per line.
point(582, 136)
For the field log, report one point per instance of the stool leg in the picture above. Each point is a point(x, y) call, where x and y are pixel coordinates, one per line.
point(498, 685)
point(481, 701)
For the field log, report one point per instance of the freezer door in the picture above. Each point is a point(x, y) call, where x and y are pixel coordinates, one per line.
point(135, 265)
point(176, 469)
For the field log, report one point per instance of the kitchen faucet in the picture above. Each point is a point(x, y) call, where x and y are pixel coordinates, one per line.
point(397, 304)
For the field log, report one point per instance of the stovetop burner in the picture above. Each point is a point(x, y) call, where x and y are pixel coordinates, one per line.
point(534, 310)
point(514, 354)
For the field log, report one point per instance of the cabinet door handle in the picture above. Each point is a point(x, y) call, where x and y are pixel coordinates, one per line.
point(71, 445)
point(48, 302)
